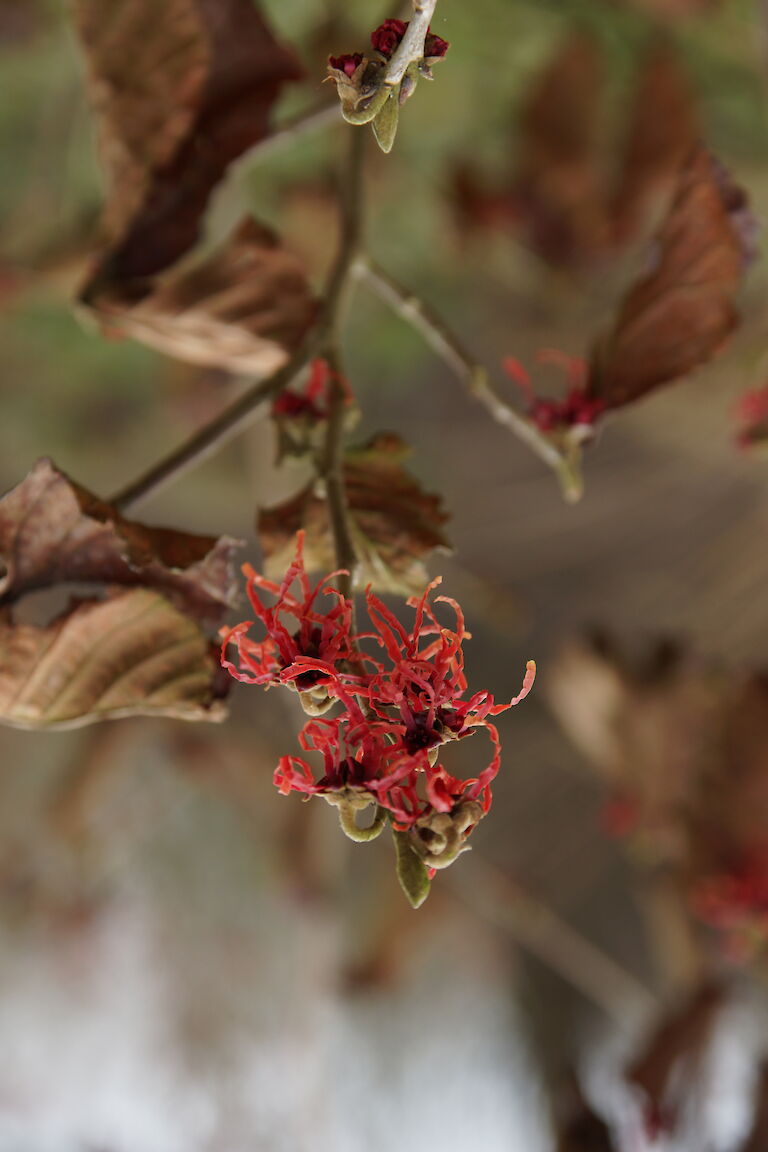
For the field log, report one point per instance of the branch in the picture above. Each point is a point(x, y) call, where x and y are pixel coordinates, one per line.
point(473, 375)
point(411, 48)
point(309, 120)
point(331, 465)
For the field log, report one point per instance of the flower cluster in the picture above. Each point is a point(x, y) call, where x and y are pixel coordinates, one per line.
point(359, 77)
point(401, 696)
point(577, 409)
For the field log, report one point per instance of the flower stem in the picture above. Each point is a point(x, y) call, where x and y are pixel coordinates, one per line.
point(447, 346)
point(351, 829)
point(411, 48)
point(212, 436)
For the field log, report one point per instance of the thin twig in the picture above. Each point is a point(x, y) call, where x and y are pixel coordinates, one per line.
point(309, 120)
point(411, 48)
point(473, 375)
point(220, 430)
point(501, 901)
point(331, 465)
point(331, 468)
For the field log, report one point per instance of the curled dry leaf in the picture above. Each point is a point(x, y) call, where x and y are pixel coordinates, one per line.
point(53, 531)
point(243, 309)
point(672, 1061)
point(395, 524)
point(130, 653)
point(179, 92)
point(680, 314)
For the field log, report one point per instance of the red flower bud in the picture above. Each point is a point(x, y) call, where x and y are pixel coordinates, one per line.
point(435, 47)
point(386, 38)
point(347, 63)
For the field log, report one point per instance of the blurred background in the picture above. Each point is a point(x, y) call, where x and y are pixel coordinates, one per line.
point(191, 962)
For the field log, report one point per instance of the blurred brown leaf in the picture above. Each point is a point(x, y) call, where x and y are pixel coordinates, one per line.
point(179, 93)
point(679, 1045)
point(649, 727)
point(243, 309)
point(130, 654)
point(20, 21)
point(662, 131)
point(53, 531)
point(680, 314)
point(558, 184)
point(395, 523)
point(561, 195)
point(728, 827)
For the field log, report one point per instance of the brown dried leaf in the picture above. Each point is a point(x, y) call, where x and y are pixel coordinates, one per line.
point(131, 654)
point(648, 728)
point(663, 130)
point(729, 823)
point(678, 1046)
point(395, 523)
point(180, 90)
point(559, 185)
point(53, 531)
point(681, 313)
point(243, 309)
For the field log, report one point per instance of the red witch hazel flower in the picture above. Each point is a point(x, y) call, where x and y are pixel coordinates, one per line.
point(752, 417)
point(387, 37)
point(397, 708)
point(348, 62)
point(577, 409)
point(304, 655)
point(312, 402)
point(298, 413)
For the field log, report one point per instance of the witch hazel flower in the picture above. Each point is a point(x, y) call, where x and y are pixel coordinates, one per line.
point(576, 410)
point(398, 702)
point(303, 647)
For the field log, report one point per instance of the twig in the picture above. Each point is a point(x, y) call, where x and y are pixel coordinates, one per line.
point(220, 430)
point(331, 468)
point(309, 120)
point(411, 47)
point(439, 337)
point(538, 929)
point(241, 412)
